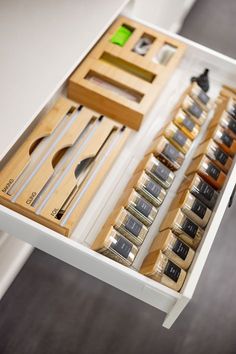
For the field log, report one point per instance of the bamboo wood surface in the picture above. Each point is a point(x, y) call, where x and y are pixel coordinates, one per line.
point(115, 105)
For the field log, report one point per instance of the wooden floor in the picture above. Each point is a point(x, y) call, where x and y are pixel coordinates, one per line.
point(52, 308)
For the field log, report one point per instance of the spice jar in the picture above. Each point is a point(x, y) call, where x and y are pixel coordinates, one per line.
point(231, 107)
point(157, 171)
point(129, 226)
point(186, 124)
point(167, 153)
point(177, 138)
point(148, 188)
point(140, 207)
point(192, 207)
point(223, 139)
point(158, 267)
point(200, 96)
point(112, 244)
point(183, 227)
point(227, 122)
point(200, 189)
point(197, 114)
point(212, 150)
point(211, 173)
point(174, 248)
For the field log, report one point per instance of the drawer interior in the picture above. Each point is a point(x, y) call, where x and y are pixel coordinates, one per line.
point(196, 58)
point(135, 149)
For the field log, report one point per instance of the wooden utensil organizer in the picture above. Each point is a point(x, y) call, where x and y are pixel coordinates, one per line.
point(117, 81)
point(60, 165)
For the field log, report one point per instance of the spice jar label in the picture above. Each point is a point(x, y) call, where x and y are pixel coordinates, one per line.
point(133, 226)
point(153, 188)
point(122, 246)
point(181, 249)
point(189, 228)
point(221, 156)
point(213, 171)
point(188, 124)
point(161, 171)
point(143, 207)
point(227, 140)
point(206, 190)
point(203, 97)
point(171, 152)
point(232, 125)
point(199, 208)
point(179, 138)
point(195, 110)
point(172, 271)
point(232, 111)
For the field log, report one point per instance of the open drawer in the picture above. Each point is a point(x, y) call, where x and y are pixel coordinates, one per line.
point(76, 249)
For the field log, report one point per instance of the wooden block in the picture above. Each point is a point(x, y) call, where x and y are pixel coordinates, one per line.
point(118, 82)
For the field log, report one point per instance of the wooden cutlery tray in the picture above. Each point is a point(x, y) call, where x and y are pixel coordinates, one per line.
point(117, 81)
point(57, 169)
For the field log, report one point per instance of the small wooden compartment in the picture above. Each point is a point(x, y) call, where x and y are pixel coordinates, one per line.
point(57, 169)
point(121, 83)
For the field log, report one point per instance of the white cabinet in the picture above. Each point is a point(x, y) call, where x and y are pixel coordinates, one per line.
point(76, 250)
point(13, 254)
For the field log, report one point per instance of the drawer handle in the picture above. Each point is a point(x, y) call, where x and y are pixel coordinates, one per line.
point(231, 199)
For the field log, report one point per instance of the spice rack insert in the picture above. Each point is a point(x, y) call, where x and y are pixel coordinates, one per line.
point(54, 174)
point(117, 81)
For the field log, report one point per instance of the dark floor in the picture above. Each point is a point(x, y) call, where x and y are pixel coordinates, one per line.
point(52, 308)
point(212, 23)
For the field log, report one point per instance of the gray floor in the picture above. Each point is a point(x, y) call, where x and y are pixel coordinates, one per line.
point(212, 23)
point(54, 308)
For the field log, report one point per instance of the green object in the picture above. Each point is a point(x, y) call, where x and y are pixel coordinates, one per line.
point(121, 36)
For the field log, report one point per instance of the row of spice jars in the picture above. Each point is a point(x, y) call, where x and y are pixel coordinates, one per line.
point(214, 156)
point(183, 228)
point(127, 227)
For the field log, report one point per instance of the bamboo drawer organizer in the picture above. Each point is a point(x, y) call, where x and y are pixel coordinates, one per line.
point(57, 169)
point(138, 79)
